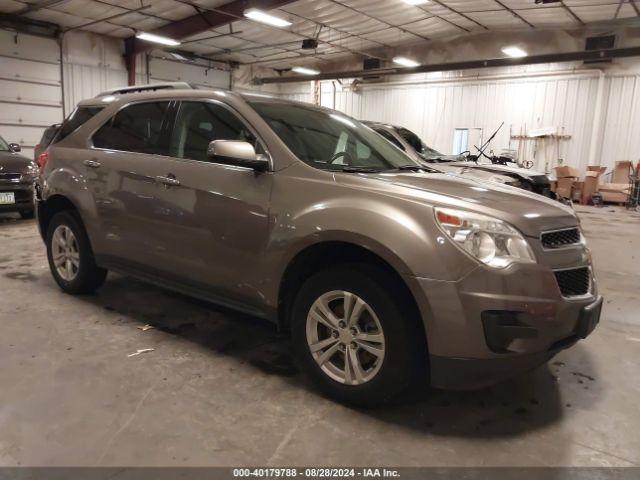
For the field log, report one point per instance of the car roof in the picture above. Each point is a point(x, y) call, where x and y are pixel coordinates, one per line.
point(181, 90)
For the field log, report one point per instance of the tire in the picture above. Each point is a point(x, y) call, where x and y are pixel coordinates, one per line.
point(85, 276)
point(28, 214)
point(404, 359)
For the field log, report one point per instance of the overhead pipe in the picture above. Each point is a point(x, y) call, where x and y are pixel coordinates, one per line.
point(602, 54)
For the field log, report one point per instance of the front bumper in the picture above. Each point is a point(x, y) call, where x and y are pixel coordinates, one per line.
point(24, 197)
point(494, 324)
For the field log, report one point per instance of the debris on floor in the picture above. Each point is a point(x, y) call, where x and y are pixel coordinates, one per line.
point(146, 327)
point(140, 351)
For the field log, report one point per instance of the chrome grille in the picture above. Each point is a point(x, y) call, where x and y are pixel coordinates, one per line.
point(561, 238)
point(574, 282)
point(10, 177)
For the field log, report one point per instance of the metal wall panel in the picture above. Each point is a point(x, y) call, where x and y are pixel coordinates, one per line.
point(621, 138)
point(435, 109)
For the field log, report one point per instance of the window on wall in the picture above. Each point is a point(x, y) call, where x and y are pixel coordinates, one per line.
point(467, 139)
point(460, 140)
point(137, 128)
point(200, 123)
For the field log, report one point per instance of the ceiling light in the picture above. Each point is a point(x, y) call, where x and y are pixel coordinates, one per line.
point(305, 71)
point(150, 37)
point(260, 16)
point(515, 52)
point(416, 2)
point(405, 62)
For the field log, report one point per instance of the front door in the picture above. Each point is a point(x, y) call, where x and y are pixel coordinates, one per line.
point(219, 224)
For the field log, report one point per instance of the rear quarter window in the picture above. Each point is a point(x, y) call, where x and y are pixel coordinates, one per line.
point(78, 118)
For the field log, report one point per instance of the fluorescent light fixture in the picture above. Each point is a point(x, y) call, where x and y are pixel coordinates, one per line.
point(260, 16)
point(416, 2)
point(405, 62)
point(305, 71)
point(515, 52)
point(150, 37)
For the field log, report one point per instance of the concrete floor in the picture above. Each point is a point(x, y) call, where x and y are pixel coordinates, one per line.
point(221, 389)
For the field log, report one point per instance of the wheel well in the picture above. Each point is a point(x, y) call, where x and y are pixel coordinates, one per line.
point(53, 205)
point(329, 254)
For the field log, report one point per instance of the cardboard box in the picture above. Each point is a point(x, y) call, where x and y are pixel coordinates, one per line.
point(566, 172)
point(622, 171)
point(614, 192)
point(564, 187)
point(591, 183)
point(576, 193)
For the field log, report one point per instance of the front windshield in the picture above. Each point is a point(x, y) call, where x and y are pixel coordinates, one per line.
point(330, 141)
point(4, 146)
point(418, 145)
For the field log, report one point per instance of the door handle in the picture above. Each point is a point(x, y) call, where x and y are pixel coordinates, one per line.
point(170, 180)
point(92, 163)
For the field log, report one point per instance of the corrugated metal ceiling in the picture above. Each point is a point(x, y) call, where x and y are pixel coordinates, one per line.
point(343, 27)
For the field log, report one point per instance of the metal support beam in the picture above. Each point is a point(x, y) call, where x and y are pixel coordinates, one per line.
point(514, 13)
point(572, 13)
point(35, 6)
point(209, 19)
point(472, 64)
point(635, 7)
point(200, 22)
point(29, 25)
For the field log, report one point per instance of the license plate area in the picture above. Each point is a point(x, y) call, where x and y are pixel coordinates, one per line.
point(7, 198)
point(589, 318)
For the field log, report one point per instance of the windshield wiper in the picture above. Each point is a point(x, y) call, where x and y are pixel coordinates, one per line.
point(418, 168)
point(351, 169)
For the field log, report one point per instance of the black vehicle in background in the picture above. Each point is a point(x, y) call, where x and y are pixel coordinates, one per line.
point(47, 137)
point(17, 178)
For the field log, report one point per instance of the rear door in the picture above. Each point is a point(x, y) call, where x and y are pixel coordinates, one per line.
point(127, 156)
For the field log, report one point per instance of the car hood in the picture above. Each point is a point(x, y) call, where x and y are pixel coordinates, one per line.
point(475, 173)
point(14, 163)
point(522, 172)
point(530, 213)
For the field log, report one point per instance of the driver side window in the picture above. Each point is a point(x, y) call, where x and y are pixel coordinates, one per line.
point(199, 123)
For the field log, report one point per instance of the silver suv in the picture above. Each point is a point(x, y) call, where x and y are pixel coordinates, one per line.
point(385, 272)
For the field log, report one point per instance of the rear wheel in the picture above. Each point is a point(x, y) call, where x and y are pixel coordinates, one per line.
point(353, 337)
point(70, 256)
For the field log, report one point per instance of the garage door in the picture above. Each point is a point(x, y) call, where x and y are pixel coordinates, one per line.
point(30, 91)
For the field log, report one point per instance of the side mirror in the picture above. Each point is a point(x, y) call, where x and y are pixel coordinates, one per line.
point(238, 153)
point(14, 147)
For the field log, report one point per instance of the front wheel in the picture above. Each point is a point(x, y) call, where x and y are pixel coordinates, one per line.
point(353, 337)
point(70, 256)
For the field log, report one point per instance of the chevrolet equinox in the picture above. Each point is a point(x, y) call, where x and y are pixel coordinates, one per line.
point(385, 272)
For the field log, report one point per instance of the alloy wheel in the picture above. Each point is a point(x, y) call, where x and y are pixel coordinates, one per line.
point(345, 337)
point(65, 253)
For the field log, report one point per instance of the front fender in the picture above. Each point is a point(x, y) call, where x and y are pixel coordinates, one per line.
point(404, 235)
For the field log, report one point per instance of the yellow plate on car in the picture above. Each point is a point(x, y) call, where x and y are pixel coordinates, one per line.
point(7, 198)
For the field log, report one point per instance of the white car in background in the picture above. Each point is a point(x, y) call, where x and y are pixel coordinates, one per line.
point(413, 146)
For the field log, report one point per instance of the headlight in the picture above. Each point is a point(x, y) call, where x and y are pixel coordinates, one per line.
point(491, 241)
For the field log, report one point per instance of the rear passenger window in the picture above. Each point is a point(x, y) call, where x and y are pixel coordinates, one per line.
point(136, 128)
point(200, 123)
point(78, 118)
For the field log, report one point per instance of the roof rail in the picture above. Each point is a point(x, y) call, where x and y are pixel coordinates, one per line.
point(146, 88)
